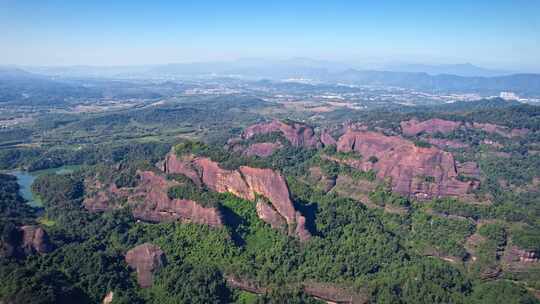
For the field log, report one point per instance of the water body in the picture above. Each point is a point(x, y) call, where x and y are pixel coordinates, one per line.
point(25, 180)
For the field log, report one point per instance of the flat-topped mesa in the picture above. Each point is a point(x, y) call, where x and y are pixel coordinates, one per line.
point(153, 203)
point(431, 126)
point(246, 183)
point(145, 259)
point(413, 171)
point(297, 134)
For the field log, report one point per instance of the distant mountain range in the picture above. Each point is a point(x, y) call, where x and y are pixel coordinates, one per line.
point(459, 78)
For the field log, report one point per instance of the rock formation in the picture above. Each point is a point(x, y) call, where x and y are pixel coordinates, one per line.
point(416, 171)
point(150, 202)
point(25, 240)
point(153, 204)
point(327, 139)
point(145, 259)
point(431, 126)
point(501, 130)
point(297, 134)
point(262, 149)
point(35, 239)
point(246, 183)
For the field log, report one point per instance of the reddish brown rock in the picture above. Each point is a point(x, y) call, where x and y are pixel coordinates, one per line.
point(431, 126)
point(153, 204)
point(421, 172)
point(35, 240)
point(173, 164)
point(246, 183)
point(297, 134)
point(468, 169)
point(501, 130)
point(327, 139)
point(268, 214)
point(262, 149)
point(145, 259)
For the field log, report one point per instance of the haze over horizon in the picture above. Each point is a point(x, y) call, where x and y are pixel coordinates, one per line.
point(492, 34)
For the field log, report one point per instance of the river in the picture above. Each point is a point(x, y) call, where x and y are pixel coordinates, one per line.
point(25, 180)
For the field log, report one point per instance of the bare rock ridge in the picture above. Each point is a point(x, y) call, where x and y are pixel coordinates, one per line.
point(262, 149)
point(431, 126)
point(247, 183)
point(151, 202)
point(414, 127)
point(413, 171)
point(297, 134)
point(501, 130)
point(155, 205)
point(145, 259)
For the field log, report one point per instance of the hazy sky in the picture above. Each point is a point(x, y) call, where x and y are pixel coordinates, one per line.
point(494, 33)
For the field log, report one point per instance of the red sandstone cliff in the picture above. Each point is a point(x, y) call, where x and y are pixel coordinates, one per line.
point(151, 202)
point(246, 183)
point(431, 126)
point(145, 259)
point(297, 134)
point(262, 149)
point(421, 172)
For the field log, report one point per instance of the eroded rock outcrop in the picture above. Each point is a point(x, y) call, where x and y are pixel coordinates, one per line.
point(25, 240)
point(431, 126)
point(153, 203)
point(327, 139)
point(297, 134)
point(145, 259)
point(262, 149)
point(246, 183)
point(416, 171)
point(35, 239)
point(501, 130)
point(150, 202)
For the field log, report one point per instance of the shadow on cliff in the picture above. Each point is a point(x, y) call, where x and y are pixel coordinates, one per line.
point(309, 211)
point(234, 221)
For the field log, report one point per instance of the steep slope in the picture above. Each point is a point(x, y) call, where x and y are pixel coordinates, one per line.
point(416, 171)
point(247, 183)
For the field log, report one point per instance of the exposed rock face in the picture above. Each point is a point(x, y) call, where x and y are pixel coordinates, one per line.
point(156, 206)
point(262, 149)
point(145, 259)
point(297, 134)
point(151, 202)
point(327, 139)
point(334, 294)
point(516, 254)
point(268, 214)
point(35, 240)
point(323, 291)
point(108, 298)
point(501, 130)
point(431, 126)
point(421, 172)
point(246, 183)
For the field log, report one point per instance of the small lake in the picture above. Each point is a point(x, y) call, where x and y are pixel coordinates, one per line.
point(25, 180)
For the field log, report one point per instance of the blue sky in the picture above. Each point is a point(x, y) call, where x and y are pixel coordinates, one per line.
point(498, 34)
